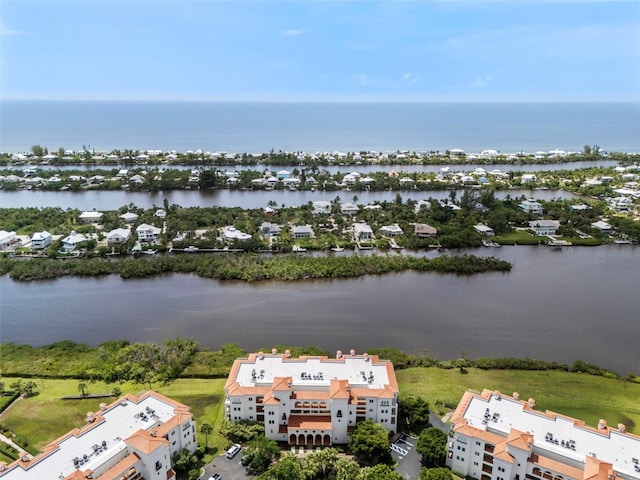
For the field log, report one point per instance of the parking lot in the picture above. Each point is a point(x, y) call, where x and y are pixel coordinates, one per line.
point(228, 468)
point(404, 452)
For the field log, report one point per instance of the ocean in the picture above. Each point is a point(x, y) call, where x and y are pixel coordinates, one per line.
point(257, 127)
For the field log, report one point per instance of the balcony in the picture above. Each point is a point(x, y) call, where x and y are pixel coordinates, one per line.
point(487, 459)
point(489, 448)
point(487, 469)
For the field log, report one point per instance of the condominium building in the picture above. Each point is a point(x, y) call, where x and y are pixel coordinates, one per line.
point(133, 438)
point(312, 400)
point(500, 437)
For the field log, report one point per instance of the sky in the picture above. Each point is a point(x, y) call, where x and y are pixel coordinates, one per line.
point(308, 50)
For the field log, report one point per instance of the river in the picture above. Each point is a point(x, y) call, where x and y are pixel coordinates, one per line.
point(114, 199)
point(579, 303)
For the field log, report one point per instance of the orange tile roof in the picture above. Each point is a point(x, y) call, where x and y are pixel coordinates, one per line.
point(553, 465)
point(145, 442)
point(122, 466)
point(520, 440)
point(310, 422)
point(338, 389)
point(463, 428)
point(500, 452)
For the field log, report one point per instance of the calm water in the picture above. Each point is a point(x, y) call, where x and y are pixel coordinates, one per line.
point(260, 127)
point(114, 199)
point(581, 303)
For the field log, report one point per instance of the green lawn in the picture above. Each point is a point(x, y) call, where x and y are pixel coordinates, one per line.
point(582, 396)
point(45, 417)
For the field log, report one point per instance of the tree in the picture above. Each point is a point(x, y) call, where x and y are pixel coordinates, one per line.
point(287, 468)
point(82, 388)
point(207, 430)
point(432, 445)
point(37, 150)
point(320, 465)
point(415, 411)
point(369, 443)
point(379, 472)
point(183, 462)
point(435, 474)
point(259, 454)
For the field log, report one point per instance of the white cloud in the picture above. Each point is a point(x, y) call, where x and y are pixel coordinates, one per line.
point(293, 32)
point(365, 80)
point(482, 82)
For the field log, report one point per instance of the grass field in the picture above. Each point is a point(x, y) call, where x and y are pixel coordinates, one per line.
point(45, 417)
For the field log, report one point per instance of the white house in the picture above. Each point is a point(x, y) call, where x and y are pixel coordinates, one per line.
point(231, 233)
point(321, 207)
point(118, 235)
point(7, 238)
point(134, 437)
point(302, 231)
point(544, 227)
point(349, 208)
point(485, 230)
point(71, 242)
point(528, 178)
point(90, 217)
point(362, 232)
point(41, 240)
point(391, 230)
point(495, 436)
point(148, 233)
point(129, 217)
point(603, 226)
point(269, 230)
point(532, 207)
point(312, 401)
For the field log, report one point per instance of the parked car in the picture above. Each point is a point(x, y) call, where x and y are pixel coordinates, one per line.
point(233, 451)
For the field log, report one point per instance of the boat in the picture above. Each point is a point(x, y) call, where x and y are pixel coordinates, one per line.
point(191, 249)
point(337, 249)
point(298, 249)
point(149, 252)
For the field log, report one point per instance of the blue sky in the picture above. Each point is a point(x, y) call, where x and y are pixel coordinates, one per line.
point(509, 50)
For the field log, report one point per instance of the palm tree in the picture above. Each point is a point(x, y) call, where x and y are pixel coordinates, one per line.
point(207, 429)
point(82, 388)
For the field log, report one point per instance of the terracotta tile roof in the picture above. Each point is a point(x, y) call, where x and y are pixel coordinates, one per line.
point(500, 452)
point(282, 383)
point(463, 428)
point(122, 466)
point(145, 442)
point(520, 440)
point(595, 469)
point(310, 422)
point(338, 389)
point(554, 466)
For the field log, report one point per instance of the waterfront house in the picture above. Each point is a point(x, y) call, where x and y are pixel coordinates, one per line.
point(90, 217)
point(72, 241)
point(532, 207)
point(41, 240)
point(312, 401)
point(603, 226)
point(148, 233)
point(423, 230)
point(7, 238)
point(302, 231)
point(391, 230)
point(349, 208)
point(283, 174)
point(528, 178)
point(349, 179)
point(620, 204)
point(362, 232)
point(484, 230)
point(161, 213)
point(135, 437)
point(137, 179)
point(269, 230)
point(321, 207)
point(231, 233)
point(544, 227)
point(118, 235)
point(495, 436)
point(129, 217)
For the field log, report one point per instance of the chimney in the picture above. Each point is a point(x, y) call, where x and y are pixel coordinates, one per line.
point(339, 354)
point(602, 424)
point(516, 396)
point(352, 352)
point(90, 417)
point(274, 351)
point(621, 427)
point(532, 402)
point(287, 353)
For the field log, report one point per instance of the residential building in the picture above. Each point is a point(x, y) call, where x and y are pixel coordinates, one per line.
point(148, 233)
point(72, 241)
point(362, 232)
point(349, 208)
point(391, 230)
point(118, 235)
point(500, 437)
point(532, 207)
point(321, 207)
point(485, 230)
point(423, 230)
point(603, 226)
point(312, 400)
point(544, 227)
point(90, 217)
point(302, 231)
point(528, 178)
point(129, 217)
point(41, 240)
point(7, 238)
point(231, 233)
point(269, 230)
point(132, 438)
